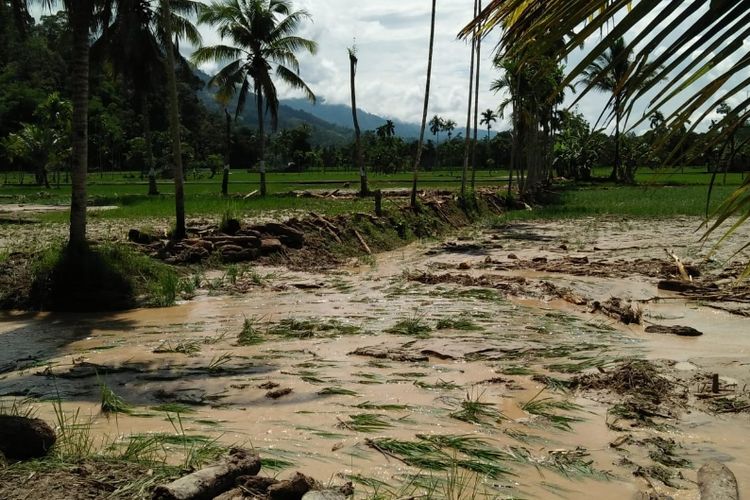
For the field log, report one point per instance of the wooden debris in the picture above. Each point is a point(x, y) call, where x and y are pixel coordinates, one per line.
point(362, 242)
point(682, 331)
point(212, 481)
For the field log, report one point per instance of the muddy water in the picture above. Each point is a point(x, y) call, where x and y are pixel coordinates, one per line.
point(218, 381)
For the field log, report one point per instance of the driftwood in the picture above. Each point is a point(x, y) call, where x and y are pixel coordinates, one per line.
point(212, 481)
point(680, 266)
point(716, 482)
point(362, 242)
point(682, 331)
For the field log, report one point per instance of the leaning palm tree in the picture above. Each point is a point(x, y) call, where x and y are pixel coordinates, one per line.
point(426, 106)
point(262, 38)
point(488, 118)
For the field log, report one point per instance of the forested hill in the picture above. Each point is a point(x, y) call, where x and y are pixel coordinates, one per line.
point(331, 123)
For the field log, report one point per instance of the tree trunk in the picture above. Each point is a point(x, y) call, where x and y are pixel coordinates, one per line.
point(616, 168)
point(261, 142)
point(467, 140)
point(80, 18)
point(424, 110)
point(225, 175)
point(363, 188)
point(153, 190)
point(476, 105)
point(174, 126)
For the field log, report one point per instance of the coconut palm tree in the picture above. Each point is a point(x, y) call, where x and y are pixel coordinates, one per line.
point(449, 126)
point(363, 189)
point(467, 141)
point(262, 39)
point(488, 118)
point(418, 158)
point(609, 73)
point(436, 126)
point(132, 44)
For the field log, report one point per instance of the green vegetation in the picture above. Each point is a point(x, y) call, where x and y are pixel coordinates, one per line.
point(111, 402)
point(106, 277)
point(415, 326)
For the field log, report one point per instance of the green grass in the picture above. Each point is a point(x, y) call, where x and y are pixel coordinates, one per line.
point(365, 422)
point(460, 323)
point(105, 277)
point(312, 328)
point(250, 334)
point(111, 402)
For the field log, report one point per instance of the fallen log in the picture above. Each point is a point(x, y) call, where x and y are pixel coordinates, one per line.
point(212, 481)
point(362, 242)
point(717, 482)
point(682, 331)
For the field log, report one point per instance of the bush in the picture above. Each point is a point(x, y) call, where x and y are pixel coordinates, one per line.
point(104, 278)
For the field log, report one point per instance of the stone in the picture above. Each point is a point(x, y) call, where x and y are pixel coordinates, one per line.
point(682, 331)
point(270, 245)
point(23, 438)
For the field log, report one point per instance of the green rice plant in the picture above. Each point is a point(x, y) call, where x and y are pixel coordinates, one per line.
point(312, 328)
point(336, 391)
point(111, 402)
point(586, 364)
point(74, 439)
point(547, 409)
point(186, 287)
point(516, 370)
point(173, 408)
point(217, 362)
point(188, 347)
point(365, 422)
point(367, 405)
point(414, 326)
point(250, 334)
point(275, 464)
point(231, 273)
point(440, 384)
point(198, 450)
point(475, 411)
point(18, 408)
point(460, 323)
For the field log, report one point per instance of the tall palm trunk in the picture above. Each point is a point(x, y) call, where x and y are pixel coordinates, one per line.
point(153, 190)
point(261, 143)
point(225, 174)
point(467, 140)
point(80, 13)
point(616, 168)
point(424, 110)
point(476, 104)
point(363, 188)
point(174, 126)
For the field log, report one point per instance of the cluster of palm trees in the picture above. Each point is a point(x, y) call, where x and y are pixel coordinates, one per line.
point(140, 39)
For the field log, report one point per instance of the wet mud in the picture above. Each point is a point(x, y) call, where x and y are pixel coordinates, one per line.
point(494, 357)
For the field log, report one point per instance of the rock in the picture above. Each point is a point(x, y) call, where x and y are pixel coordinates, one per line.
point(288, 236)
point(270, 245)
point(291, 489)
point(464, 266)
point(242, 255)
point(676, 286)
point(140, 237)
point(717, 482)
point(23, 438)
point(512, 256)
point(191, 255)
point(682, 331)
point(278, 393)
point(230, 226)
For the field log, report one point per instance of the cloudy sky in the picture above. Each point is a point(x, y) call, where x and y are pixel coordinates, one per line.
point(392, 37)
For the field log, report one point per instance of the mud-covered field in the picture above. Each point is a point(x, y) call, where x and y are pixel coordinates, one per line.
point(521, 361)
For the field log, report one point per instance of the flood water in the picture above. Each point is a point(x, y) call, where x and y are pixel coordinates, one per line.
point(416, 382)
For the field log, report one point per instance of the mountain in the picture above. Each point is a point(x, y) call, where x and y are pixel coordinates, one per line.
point(341, 115)
point(331, 124)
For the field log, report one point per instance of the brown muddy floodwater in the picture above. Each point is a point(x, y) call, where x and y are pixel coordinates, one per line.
point(474, 378)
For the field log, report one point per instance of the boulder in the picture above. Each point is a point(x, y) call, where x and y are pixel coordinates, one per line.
point(270, 245)
point(23, 438)
point(291, 489)
point(682, 331)
point(230, 226)
point(243, 255)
